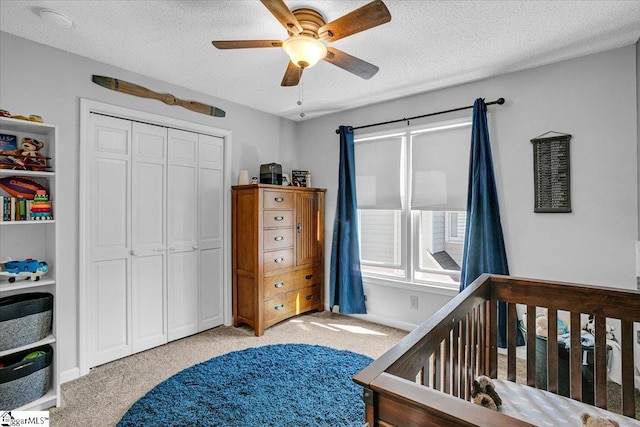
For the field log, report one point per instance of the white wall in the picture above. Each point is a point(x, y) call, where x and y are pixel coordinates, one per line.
point(594, 99)
point(36, 79)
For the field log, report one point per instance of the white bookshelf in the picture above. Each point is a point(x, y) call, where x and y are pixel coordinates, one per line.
point(37, 240)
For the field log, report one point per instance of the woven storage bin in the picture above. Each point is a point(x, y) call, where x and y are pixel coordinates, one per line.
point(25, 319)
point(23, 381)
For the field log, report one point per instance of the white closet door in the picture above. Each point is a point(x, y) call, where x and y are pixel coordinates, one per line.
point(182, 234)
point(148, 225)
point(210, 238)
point(109, 245)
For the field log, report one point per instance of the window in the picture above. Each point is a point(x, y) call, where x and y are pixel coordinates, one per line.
point(412, 195)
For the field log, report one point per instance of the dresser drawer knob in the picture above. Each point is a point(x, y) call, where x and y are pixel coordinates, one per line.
point(308, 276)
point(309, 297)
point(279, 260)
point(278, 238)
point(278, 218)
point(279, 199)
point(279, 284)
point(279, 307)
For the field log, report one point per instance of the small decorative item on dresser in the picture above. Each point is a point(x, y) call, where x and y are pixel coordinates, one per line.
point(244, 177)
point(254, 179)
point(299, 178)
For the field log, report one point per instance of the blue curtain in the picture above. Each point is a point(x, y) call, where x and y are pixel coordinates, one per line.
point(484, 250)
point(347, 291)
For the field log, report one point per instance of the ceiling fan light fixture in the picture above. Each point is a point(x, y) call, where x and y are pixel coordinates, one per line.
point(304, 51)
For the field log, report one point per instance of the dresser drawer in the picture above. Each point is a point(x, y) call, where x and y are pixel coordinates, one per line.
point(277, 260)
point(278, 200)
point(277, 238)
point(277, 219)
point(287, 282)
point(290, 304)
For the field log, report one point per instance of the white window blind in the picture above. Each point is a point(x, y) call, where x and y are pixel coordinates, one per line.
point(378, 166)
point(439, 168)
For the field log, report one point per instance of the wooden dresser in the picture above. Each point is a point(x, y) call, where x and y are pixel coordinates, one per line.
point(277, 254)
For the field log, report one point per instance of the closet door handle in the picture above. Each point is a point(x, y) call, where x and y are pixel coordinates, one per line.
point(279, 199)
point(279, 260)
point(299, 227)
point(195, 247)
point(172, 248)
point(278, 218)
point(279, 307)
point(133, 253)
point(278, 238)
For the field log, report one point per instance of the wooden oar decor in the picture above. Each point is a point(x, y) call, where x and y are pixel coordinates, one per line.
point(143, 92)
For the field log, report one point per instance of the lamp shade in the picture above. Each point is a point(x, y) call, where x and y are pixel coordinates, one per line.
point(304, 51)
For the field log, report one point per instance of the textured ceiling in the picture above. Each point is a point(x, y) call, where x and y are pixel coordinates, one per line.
point(426, 46)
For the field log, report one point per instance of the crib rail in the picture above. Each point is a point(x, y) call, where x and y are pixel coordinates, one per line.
point(427, 377)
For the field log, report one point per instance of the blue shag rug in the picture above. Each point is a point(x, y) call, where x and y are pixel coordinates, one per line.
point(274, 385)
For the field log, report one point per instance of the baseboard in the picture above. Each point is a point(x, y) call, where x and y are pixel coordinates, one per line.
point(69, 375)
point(385, 321)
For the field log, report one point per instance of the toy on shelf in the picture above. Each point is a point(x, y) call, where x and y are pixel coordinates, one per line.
point(41, 207)
point(25, 157)
point(31, 118)
point(21, 186)
point(29, 269)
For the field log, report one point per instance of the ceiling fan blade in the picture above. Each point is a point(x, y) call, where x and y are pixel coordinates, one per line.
point(368, 16)
point(281, 11)
point(245, 44)
point(350, 63)
point(292, 75)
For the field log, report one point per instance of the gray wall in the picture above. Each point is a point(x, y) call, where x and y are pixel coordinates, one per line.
point(36, 79)
point(594, 99)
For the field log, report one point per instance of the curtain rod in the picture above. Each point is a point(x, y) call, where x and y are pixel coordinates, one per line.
point(498, 101)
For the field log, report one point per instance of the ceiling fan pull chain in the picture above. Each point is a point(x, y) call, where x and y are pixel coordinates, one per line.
point(301, 95)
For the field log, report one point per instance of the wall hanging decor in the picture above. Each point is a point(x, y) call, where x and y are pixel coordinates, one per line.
point(133, 89)
point(551, 172)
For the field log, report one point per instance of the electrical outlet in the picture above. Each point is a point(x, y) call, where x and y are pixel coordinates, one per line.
point(413, 302)
point(638, 332)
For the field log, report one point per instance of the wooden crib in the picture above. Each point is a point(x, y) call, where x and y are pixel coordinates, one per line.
point(425, 379)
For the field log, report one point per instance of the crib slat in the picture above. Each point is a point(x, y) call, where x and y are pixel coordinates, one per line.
point(444, 367)
point(432, 372)
point(552, 350)
point(626, 337)
point(512, 325)
point(600, 363)
point(531, 345)
point(467, 367)
point(454, 360)
point(492, 334)
point(575, 359)
point(481, 347)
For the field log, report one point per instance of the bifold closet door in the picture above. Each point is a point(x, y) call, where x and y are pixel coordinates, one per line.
point(182, 230)
point(148, 236)
point(109, 170)
point(210, 231)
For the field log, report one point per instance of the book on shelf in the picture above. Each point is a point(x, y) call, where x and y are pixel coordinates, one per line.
point(21, 209)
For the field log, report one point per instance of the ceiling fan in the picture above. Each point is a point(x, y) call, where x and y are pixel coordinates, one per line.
point(307, 32)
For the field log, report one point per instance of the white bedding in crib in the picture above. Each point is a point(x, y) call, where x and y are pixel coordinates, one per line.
point(542, 408)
